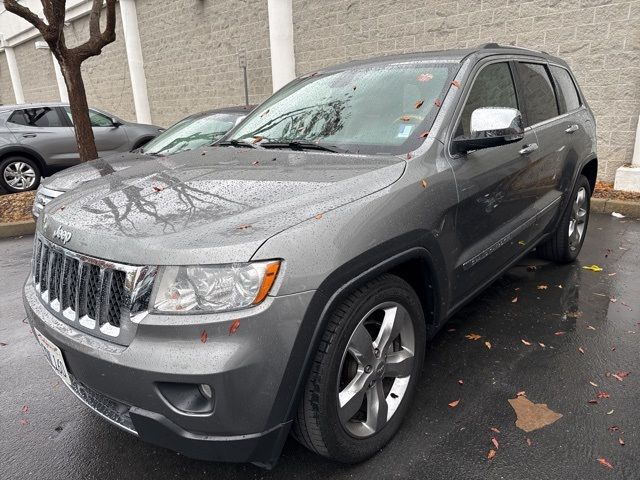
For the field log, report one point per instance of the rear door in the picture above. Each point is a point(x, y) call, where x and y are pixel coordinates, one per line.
point(45, 131)
point(495, 215)
point(559, 133)
point(109, 138)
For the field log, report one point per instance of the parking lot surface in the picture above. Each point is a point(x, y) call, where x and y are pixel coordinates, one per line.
point(560, 334)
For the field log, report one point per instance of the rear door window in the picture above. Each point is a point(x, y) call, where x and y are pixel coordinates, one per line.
point(568, 97)
point(537, 90)
point(492, 87)
point(42, 117)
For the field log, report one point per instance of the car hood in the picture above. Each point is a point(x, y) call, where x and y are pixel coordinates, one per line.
point(209, 206)
point(73, 177)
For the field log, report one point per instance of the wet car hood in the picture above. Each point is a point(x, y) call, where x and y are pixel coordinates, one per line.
point(209, 206)
point(73, 177)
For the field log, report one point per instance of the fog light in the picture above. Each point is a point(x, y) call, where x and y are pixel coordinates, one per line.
point(205, 390)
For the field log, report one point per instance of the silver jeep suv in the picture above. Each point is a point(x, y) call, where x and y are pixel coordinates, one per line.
point(288, 278)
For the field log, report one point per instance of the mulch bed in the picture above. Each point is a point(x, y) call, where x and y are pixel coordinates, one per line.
point(605, 190)
point(16, 207)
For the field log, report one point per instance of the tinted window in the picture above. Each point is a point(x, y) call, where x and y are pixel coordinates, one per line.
point(493, 87)
point(36, 117)
point(369, 109)
point(538, 92)
point(567, 94)
point(97, 119)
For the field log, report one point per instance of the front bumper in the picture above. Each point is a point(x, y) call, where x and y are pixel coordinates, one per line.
point(245, 369)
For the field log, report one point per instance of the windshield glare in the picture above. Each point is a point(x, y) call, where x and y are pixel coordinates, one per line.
point(381, 109)
point(190, 133)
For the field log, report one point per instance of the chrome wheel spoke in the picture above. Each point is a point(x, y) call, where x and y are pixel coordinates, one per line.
point(390, 328)
point(350, 399)
point(399, 364)
point(361, 345)
point(377, 408)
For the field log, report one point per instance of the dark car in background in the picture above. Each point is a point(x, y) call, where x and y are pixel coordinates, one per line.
point(194, 131)
point(38, 139)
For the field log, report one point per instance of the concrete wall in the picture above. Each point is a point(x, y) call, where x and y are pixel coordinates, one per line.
point(599, 38)
point(40, 86)
point(6, 90)
point(190, 50)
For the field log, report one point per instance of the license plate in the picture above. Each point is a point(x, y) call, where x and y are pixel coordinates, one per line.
point(54, 355)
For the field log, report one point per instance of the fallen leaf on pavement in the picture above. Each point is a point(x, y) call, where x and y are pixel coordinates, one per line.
point(423, 183)
point(203, 336)
point(515, 299)
point(559, 333)
point(25, 409)
point(494, 429)
point(581, 350)
point(24, 422)
point(473, 336)
point(532, 416)
point(521, 393)
point(621, 375)
point(604, 463)
point(542, 287)
point(461, 382)
point(488, 345)
point(593, 268)
point(602, 394)
point(528, 344)
point(593, 401)
point(614, 428)
point(621, 441)
point(574, 314)
point(610, 412)
point(529, 442)
point(491, 454)
point(454, 404)
point(495, 443)
point(591, 328)
point(542, 345)
point(593, 384)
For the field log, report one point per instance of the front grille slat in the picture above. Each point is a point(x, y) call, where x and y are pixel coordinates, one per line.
point(90, 291)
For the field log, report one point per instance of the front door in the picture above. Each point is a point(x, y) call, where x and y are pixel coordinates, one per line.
point(109, 138)
point(496, 216)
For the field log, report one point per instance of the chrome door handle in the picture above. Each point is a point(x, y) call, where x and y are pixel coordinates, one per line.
point(29, 135)
point(526, 149)
point(572, 128)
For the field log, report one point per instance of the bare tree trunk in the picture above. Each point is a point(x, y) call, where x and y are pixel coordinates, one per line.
point(79, 111)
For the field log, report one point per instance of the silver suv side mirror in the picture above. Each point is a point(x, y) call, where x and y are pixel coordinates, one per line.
point(491, 127)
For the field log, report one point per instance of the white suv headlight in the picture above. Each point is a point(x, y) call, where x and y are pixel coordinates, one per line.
point(214, 288)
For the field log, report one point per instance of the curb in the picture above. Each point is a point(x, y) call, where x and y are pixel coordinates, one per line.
point(8, 230)
point(625, 207)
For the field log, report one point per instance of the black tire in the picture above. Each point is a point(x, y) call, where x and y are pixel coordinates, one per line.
point(317, 425)
point(560, 247)
point(9, 163)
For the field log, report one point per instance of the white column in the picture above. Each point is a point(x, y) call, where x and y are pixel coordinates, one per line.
point(635, 160)
point(283, 62)
point(62, 86)
point(15, 74)
point(134, 58)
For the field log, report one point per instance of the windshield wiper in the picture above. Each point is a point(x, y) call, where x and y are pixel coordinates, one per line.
point(301, 145)
point(234, 143)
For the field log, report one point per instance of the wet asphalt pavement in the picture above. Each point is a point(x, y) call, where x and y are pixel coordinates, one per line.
point(58, 438)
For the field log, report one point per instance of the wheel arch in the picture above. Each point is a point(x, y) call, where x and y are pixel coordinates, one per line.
point(27, 153)
point(416, 264)
point(590, 170)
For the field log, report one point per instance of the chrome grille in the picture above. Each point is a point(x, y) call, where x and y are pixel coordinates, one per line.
point(104, 298)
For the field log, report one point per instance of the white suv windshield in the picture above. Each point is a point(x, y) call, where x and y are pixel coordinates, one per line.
point(373, 109)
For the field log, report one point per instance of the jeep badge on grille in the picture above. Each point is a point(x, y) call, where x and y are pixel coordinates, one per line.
point(62, 235)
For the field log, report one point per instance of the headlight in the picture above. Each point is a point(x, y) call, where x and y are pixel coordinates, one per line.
point(214, 288)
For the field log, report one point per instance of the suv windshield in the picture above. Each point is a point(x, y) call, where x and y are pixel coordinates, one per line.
point(192, 132)
point(373, 109)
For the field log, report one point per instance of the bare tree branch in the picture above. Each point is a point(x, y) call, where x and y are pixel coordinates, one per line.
point(14, 7)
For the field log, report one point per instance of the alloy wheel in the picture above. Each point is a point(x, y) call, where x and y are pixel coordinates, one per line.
point(376, 369)
point(578, 219)
point(19, 175)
